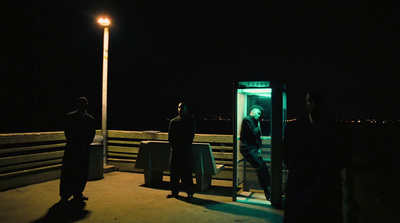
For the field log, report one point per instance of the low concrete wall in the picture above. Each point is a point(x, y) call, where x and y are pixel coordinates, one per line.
point(28, 158)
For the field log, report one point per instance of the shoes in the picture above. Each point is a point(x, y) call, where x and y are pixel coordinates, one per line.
point(268, 195)
point(171, 195)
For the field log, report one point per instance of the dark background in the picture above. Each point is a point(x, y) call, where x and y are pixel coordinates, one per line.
point(162, 52)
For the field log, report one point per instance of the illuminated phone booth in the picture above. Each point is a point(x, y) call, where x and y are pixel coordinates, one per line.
point(271, 97)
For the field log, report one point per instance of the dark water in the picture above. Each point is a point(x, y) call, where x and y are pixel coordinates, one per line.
point(378, 145)
point(214, 127)
point(203, 126)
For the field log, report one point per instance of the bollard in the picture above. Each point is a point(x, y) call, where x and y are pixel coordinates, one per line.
point(96, 158)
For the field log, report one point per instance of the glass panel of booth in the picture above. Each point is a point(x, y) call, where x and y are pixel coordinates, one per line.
point(284, 115)
point(259, 94)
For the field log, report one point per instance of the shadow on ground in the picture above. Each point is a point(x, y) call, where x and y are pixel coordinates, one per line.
point(243, 210)
point(252, 210)
point(213, 190)
point(70, 211)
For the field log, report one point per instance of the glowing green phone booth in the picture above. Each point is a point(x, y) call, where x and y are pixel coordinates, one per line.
point(271, 96)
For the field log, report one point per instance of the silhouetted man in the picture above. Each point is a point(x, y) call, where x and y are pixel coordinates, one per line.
point(79, 132)
point(250, 147)
point(180, 136)
point(314, 161)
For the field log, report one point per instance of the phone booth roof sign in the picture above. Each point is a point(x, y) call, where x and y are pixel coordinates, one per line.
point(253, 84)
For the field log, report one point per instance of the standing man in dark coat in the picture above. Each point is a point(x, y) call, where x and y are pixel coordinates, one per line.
point(250, 147)
point(79, 132)
point(314, 161)
point(180, 136)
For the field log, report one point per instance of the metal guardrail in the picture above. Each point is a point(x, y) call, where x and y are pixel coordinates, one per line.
point(28, 158)
point(123, 148)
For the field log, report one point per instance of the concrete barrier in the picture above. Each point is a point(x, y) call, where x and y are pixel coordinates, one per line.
point(96, 159)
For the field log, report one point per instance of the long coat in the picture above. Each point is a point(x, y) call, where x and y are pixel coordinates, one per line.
point(79, 132)
point(314, 161)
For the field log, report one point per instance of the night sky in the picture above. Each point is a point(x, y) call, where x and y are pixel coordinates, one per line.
point(162, 52)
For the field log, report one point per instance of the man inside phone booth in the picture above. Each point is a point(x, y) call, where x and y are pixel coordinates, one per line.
point(250, 147)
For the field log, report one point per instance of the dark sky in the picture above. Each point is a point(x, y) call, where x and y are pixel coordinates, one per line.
point(162, 52)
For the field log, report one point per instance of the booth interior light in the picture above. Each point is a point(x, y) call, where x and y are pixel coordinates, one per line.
point(257, 90)
point(262, 92)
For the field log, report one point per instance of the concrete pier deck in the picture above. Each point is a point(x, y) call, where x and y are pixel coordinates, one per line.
point(122, 197)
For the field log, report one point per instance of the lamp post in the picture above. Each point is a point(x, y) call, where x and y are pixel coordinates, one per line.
point(105, 22)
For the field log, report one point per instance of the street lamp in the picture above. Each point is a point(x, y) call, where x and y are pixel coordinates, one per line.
point(105, 22)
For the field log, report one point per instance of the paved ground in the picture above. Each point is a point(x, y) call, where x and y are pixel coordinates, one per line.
point(122, 197)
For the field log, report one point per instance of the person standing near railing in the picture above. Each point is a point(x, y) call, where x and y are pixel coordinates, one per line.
point(79, 132)
point(250, 147)
point(180, 136)
point(314, 159)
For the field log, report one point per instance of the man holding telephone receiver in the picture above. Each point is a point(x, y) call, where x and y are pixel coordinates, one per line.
point(250, 147)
